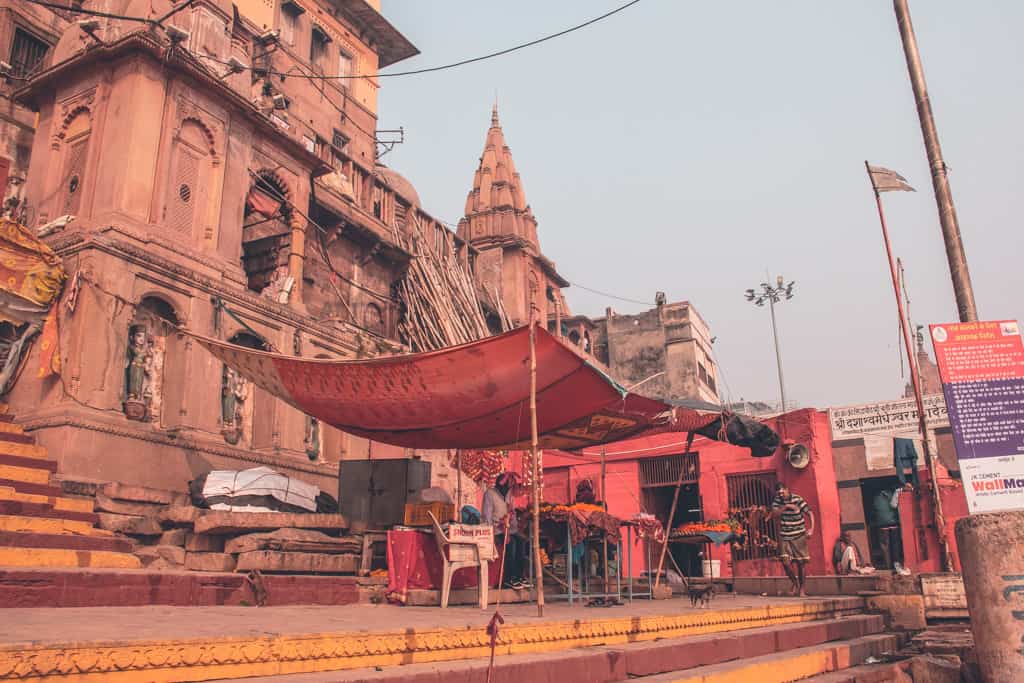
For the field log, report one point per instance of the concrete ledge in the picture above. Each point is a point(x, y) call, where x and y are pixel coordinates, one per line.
point(881, 582)
point(172, 661)
point(81, 588)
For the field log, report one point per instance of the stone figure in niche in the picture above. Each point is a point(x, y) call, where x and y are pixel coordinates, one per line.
point(234, 389)
point(137, 371)
point(312, 437)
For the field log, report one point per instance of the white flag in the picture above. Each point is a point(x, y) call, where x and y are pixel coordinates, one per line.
point(885, 180)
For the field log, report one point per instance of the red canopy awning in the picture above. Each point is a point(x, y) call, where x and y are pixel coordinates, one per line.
point(476, 395)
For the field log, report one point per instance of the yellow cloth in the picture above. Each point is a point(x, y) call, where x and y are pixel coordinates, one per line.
point(29, 269)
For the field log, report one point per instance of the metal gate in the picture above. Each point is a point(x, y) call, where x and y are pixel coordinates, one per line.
point(750, 498)
point(665, 471)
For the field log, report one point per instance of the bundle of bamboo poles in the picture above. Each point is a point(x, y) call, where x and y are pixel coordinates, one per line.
point(442, 306)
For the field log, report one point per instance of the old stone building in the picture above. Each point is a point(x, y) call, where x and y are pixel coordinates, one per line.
point(667, 348)
point(28, 33)
point(217, 184)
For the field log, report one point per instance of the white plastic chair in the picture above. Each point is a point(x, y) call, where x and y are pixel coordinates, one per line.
point(458, 556)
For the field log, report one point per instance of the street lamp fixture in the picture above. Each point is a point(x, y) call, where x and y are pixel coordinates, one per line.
point(773, 295)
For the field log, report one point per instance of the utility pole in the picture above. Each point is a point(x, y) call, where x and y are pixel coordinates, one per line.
point(774, 295)
point(961, 277)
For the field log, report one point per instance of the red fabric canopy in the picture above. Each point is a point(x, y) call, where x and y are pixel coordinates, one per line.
point(476, 395)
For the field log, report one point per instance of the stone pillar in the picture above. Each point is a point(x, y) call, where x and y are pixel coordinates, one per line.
point(992, 553)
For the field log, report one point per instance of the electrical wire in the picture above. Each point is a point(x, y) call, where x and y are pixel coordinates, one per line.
point(611, 296)
point(89, 12)
point(410, 72)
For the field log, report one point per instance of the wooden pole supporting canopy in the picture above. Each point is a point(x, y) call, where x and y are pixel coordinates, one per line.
point(672, 513)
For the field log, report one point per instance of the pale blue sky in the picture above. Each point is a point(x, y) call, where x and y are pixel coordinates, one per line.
point(687, 146)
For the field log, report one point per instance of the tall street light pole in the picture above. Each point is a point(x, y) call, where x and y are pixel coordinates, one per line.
point(962, 289)
point(774, 295)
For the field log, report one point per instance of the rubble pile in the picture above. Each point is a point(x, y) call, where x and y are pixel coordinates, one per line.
point(170, 533)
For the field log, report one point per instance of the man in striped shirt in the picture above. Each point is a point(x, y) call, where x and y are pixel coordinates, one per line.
point(791, 509)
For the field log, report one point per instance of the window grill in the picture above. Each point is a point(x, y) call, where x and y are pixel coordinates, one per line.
point(750, 497)
point(665, 471)
point(27, 53)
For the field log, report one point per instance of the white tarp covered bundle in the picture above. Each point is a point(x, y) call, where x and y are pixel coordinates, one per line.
point(258, 482)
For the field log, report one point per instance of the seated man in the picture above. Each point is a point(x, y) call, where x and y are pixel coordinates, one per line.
point(845, 556)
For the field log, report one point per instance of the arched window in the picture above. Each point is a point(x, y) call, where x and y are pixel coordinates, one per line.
point(574, 337)
point(243, 405)
point(76, 153)
point(189, 177)
point(266, 231)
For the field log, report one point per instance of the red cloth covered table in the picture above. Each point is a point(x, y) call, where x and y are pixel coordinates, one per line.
point(414, 562)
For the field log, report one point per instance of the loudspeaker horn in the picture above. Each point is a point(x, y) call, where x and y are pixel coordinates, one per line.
point(798, 456)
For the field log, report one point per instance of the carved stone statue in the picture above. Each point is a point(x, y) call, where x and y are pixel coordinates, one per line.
point(136, 373)
point(234, 389)
point(312, 437)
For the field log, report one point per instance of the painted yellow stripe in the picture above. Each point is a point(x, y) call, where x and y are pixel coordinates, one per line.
point(58, 502)
point(24, 450)
point(29, 475)
point(56, 558)
point(46, 525)
point(11, 428)
point(175, 661)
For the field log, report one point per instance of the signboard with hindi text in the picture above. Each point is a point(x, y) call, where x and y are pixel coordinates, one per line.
point(982, 369)
point(889, 418)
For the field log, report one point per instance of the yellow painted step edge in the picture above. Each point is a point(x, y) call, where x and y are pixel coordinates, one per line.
point(53, 558)
point(174, 661)
point(11, 428)
point(58, 502)
point(24, 450)
point(783, 669)
point(28, 475)
point(46, 525)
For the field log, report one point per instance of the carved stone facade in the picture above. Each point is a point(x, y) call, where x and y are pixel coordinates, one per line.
point(230, 202)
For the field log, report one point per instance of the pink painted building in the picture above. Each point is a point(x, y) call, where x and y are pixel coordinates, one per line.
point(721, 479)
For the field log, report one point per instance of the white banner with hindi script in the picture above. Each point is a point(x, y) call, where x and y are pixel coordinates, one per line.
point(890, 418)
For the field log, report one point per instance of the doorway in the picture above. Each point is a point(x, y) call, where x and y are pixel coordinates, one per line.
point(658, 501)
point(882, 520)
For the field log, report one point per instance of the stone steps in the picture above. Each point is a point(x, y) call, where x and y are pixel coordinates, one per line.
point(40, 527)
point(44, 510)
point(16, 539)
point(61, 557)
point(7, 427)
point(398, 644)
point(10, 493)
point(67, 587)
point(24, 450)
point(788, 666)
point(27, 475)
point(813, 647)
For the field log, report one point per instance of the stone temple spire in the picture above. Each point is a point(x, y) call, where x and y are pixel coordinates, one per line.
point(496, 208)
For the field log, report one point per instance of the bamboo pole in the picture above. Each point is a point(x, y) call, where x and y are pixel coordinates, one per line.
point(604, 501)
point(915, 379)
point(672, 514)
point(539, 573)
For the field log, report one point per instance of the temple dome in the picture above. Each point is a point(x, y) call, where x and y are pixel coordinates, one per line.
point(399, 183)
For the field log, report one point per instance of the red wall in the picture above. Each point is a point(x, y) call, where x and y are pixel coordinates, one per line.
point(816, 483)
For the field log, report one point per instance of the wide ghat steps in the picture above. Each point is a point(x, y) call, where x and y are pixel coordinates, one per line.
point(39, 525)
point(775, 654)
point(382, 642)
